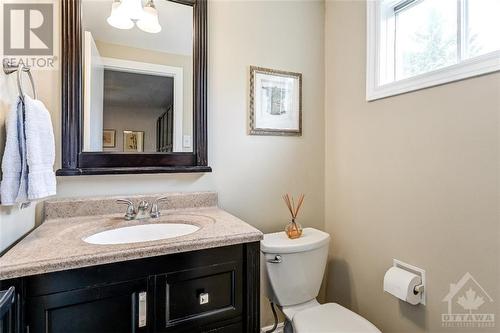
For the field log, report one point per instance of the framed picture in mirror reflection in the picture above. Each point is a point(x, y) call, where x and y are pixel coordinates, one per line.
point(133, 141)
point(109, 138)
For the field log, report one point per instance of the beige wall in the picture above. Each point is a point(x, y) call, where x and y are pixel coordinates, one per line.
point(250, 172)
point(413, 177)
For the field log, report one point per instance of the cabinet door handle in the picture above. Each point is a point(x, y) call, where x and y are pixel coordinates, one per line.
point(143, 300)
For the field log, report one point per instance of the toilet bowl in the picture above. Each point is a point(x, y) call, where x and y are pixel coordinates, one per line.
point(293, 271)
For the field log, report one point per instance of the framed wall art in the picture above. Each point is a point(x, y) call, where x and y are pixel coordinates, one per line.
point(275, 102)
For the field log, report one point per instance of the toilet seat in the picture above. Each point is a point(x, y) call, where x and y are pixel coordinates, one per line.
point(331, 318)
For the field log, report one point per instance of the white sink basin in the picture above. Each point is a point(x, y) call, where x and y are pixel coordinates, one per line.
point(141, 233)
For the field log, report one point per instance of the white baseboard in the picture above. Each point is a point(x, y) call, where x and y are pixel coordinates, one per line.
point(279, 329)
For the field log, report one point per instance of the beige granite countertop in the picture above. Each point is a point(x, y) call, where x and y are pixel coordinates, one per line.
point(57, 244)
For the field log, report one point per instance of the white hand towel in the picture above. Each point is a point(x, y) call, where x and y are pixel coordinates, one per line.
point(40, 150)
point(29, 155)
point(13, 188)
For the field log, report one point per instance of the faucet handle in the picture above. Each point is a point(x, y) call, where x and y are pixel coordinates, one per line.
point(155, 212)
point(131, 213)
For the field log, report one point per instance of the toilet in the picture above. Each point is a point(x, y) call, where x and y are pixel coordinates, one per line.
point(293, 271)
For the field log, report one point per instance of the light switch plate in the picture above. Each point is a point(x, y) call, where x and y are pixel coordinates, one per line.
point(186, 141)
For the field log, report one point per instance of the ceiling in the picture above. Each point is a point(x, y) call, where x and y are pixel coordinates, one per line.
point(133, 90)
point(176, 20)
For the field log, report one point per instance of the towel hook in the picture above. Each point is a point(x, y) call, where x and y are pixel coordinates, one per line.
point(9, 69)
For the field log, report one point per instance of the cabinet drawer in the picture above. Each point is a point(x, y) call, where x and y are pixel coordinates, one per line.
point(202, 295)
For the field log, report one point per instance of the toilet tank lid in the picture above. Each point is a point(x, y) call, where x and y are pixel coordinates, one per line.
point(278, 242)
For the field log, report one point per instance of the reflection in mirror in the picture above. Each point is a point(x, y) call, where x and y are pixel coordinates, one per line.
point(138, 80)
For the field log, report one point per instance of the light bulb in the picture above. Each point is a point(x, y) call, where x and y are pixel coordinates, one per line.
point(149, 22)
point(118, 19)
point(133, 9)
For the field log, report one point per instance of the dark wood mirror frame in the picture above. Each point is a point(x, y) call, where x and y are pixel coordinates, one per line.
point(74, 160)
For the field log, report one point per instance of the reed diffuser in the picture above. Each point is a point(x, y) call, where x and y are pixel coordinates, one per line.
point(293, 229)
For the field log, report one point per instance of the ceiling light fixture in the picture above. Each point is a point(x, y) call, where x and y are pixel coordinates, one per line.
point(124, 13)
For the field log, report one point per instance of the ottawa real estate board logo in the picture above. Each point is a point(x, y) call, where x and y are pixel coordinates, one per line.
point(468, 303)
point(28, 34)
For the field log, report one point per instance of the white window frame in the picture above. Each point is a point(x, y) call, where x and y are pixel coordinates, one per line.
point(378, 21)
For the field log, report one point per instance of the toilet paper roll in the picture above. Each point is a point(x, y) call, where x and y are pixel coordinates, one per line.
point(401, 283)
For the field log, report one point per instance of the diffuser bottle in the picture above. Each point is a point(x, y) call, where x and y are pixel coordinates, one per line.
point(293, 229)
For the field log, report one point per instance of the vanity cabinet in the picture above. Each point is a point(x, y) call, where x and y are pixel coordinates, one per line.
point(211, 290)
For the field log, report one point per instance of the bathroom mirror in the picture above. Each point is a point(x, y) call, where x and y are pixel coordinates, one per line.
point(134, 86)
point(137, 84)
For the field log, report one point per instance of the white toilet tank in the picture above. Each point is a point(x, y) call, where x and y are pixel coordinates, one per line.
point(293, 268)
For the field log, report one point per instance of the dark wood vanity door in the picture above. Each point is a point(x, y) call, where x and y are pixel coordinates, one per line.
point(105, 309)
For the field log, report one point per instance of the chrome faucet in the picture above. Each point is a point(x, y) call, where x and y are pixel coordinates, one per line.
point(142, 210)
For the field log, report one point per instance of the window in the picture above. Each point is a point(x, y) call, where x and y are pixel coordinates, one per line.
point(414, 44)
